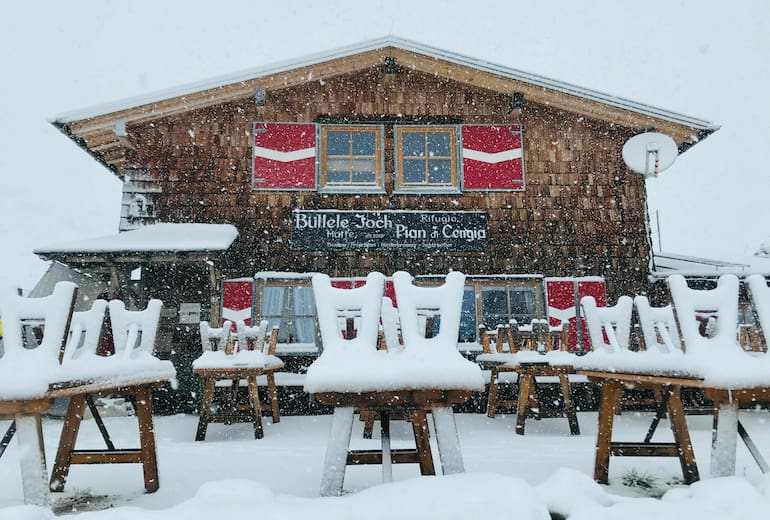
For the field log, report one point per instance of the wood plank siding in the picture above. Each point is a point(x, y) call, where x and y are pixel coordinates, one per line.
point(581, 212)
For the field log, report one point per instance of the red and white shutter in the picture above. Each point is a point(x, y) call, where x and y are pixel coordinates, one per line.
point(284, 156)
point(237, 297)
point(493, 157)
point(562, 295)
point(591, 286)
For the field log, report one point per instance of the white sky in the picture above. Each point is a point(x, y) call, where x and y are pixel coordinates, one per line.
point(701, 58)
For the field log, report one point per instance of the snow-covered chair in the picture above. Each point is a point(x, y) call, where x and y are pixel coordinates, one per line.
point(658, 326)
point(425, 374)
point(539, 351)
point(132, 371)
point(254, 357)
point(760, 298)
point(608, 327)
point(35, 335)
point(215, 338)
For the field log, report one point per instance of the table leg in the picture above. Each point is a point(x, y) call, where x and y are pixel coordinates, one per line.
point(611, 391)
point(422, 442)
point(724, 439)
point(34, 476)
point(448, 441)
point(333, 475)
point(525, 390)
point(569, 405)
point(205, 416)
point(492, 398)
point(69, 436)
point(256, 406)
point(681, 435)
point(387, 463)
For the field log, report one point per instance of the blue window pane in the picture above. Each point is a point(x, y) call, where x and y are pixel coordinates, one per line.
point(414, 172)
point(336, 176)
point(438, 144)
point(363, 177)
point(413, 144)
point(468, 316)
point(439, 171)
point(338, 143)
point(363, 143)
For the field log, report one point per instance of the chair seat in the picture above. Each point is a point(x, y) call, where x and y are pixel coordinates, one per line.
point(242, 359)
point(382, 371)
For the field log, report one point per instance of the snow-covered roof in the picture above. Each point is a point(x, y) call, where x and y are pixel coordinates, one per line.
point(373, 45)
point(667, 264)
point(157, 237)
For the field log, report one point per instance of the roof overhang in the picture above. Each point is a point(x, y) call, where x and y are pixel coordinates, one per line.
point(155, 244)
point(101, 130)
point(667, 264)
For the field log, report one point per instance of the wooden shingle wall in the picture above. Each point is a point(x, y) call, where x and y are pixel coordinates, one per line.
point(582, 211)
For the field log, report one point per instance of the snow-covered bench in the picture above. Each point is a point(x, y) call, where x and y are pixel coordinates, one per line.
point(65, 364)
point(254, 357)
point(422, 375)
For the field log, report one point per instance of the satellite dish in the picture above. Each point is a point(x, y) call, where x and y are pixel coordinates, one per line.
point(650, 153)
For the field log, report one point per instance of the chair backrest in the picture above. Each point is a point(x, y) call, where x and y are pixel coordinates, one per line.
point(760, 297)
point(443, 302)
point(362, 303)
point(257, 338)
point(215, 338)
point(608, 327)
point(390, 324)
point(85, 332)
point(502, 335)
point(658, 326)
point(134, 331)
point(721, 302)
point(49, 316)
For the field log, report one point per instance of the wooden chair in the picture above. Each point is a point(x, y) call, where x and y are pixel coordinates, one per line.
point(254, 357)
point(132, 371)
point(658, 326)
point(542, 354)
point(426, 374)
point(608, 327)
point(26, 370)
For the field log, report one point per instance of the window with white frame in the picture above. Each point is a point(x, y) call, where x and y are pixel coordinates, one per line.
point(426, 158)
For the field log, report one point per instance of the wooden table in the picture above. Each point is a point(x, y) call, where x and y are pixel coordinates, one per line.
point(28, 412)
point(415, 404)
point(527, 402)
point(231, 412)
point(726, 401)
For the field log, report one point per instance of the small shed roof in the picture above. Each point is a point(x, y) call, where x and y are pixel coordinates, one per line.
point(154, 238)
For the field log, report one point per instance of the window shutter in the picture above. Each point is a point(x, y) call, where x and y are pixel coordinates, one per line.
point(236, 300)
point(493, 157)
point(284, 156)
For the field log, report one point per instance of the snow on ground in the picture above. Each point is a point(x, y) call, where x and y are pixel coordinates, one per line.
point(507, 476)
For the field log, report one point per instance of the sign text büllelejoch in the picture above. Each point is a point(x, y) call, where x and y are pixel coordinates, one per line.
point(331, 230)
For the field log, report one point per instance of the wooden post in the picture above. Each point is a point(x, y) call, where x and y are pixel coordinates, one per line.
point(215, 277)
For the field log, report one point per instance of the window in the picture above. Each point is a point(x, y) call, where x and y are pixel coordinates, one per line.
point(351, 158)
point(291, 307)
point(499, 304)
point(426, 158)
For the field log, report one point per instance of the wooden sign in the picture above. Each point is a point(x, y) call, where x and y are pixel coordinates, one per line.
point(331, 230)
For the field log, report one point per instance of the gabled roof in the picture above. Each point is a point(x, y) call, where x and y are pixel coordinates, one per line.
point(99, 128)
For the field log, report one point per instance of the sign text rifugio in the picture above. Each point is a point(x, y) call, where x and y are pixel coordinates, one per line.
point(330, 230)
